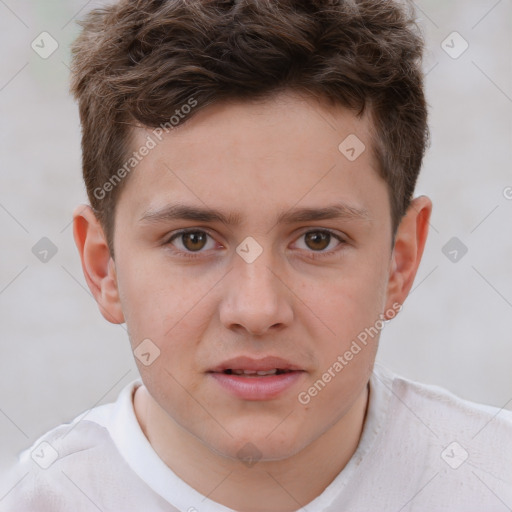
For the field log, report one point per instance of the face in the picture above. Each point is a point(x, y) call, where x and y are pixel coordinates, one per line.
point(286, 266)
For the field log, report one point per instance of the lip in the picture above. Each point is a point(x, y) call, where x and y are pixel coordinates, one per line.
point(249, 363)
point(257, 387)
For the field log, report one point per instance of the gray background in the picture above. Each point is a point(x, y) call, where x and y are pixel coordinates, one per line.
point(59, 356)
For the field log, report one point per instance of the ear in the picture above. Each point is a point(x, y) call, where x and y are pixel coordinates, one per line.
point(97, 264)
point(409, 244)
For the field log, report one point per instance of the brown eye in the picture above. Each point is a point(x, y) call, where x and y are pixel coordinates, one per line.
point(318, 240)
point(191, 241)
point(320, 243)
point(194, 241)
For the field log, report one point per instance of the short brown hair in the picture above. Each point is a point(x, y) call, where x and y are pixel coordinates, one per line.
point(139, 61)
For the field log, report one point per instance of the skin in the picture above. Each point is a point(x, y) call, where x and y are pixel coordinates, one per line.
point(258, 159)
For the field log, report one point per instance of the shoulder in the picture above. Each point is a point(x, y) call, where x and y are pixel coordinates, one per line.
point(430, 433)
point(77, 466)
point(445, 409)
point(44, 474)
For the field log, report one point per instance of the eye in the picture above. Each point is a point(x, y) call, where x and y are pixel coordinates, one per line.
point(186, 242)
point(191, 241)
point(319, 240)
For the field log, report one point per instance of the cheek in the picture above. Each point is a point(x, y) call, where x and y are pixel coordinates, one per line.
point(170, 307)
point(349, 302)
point(350, 307)
point(152, 292)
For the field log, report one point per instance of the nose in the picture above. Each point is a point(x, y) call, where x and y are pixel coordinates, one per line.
point(256, 299)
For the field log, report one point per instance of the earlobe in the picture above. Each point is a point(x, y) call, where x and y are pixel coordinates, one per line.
point(409, 245)
point(97, 264)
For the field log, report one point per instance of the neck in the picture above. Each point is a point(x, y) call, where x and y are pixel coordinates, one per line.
point(267, 486)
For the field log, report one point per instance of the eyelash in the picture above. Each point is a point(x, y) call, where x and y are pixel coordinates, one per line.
point(314, 255)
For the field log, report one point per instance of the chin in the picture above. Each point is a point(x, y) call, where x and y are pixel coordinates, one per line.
point(256, 444)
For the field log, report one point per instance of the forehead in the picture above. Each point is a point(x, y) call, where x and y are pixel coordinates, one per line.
point(291, 116)
point(259, 154)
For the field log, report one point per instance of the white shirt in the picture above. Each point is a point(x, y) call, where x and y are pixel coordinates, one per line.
point(422, 449)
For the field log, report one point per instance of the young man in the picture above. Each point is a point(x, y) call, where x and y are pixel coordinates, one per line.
point(250, 167)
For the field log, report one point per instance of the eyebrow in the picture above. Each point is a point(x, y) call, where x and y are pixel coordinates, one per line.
point(181, 211)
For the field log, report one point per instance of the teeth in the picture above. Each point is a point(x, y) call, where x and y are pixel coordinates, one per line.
point(254, 372)
point(269, 372)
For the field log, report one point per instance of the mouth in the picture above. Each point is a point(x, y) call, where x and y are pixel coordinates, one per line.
point(257, 379)
point(243, 365)
point(255, 373)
